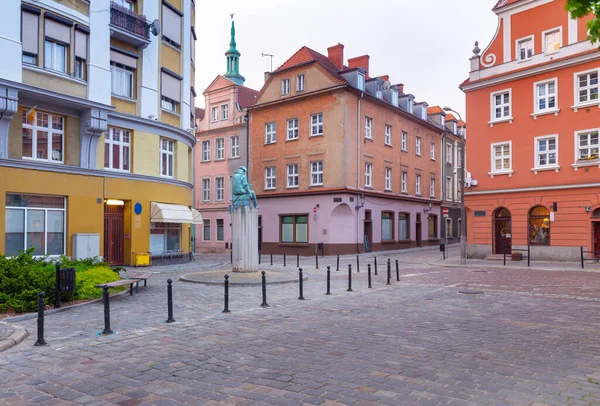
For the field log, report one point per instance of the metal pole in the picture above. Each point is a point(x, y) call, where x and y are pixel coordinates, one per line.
point(170, 318)
point(369, 274)
point(301, 297)
point(504, 253)
point(40, 321)
point(107, 329)
point(357, 264)
point(397, 272)
point(231, 255)
point(259, 255)
point(284, 259)
point(463, 211)
point(264, 290)
point(389, 272)
point(581, 257)
point(337, 267)
point(528, 255)
point(375, 265)
point(57, 287)
point(317, 261)
point(297, 260)
point(271, 258)
point(328, 281)
point(349, 278)
point(226, 309)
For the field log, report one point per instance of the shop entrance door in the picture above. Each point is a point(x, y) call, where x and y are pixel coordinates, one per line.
point(114, 220)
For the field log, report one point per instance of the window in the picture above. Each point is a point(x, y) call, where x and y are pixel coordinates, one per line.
point(55, 56)
point(270, 178)
point(165, 237)
point(220, 230)
point(79, 68)
point(122, 80)
point(205, 151)
point(361, 81)
point(545, 96)
point(292, 175)
point(387, 139)
point(220, 148)
point(404, 141)
point(43, 137)
point(206, 190)
point(387, 226)
point(404, 182)
point(285, 87)
point(234, 147)
point(30, 36)
point(501, 108)
point(170, 89)
point(403, 226)
point(449, 194)
point(299, 83)
point(587, 145)
point(432, 187)
point(418, 146)
point(215, 114)
point(546, 152)
point(316, 124)
point(167, 157)
point(388, 178)
point(395, 98)
point(34, 221)
point(552, 41)
point(586, 87)
point(379, 90)
point(292, 129)
point(29, 59)
point(206, 236)
point(539, 226)
point(270, 133)
point(125, 4)
point(294, 229)
point(316, 173)
point(171, 25)
point(368, 128)
point(432, 151)
point(459, 157)
point(432, 226)
point(368, 175)
point(224, 112)
point(524, 48)
point(168, 104)
point(448, 228)
point(418, 185)
point(219, 189)
point(449, 154)
point(410, 106)
point(117, 144)
point(501, 157)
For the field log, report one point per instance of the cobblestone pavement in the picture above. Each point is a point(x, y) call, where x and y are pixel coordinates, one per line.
point(5, 331)
point(530, 339)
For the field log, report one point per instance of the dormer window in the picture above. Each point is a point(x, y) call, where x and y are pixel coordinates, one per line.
point(410, 106)
point(525, 48)
point(285, 87)
point(379, 91)
point(443, 121)
point(361, 81)
point(552, 40)
point(395, 98)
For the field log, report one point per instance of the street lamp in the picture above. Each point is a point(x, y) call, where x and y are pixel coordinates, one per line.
point(463, 214)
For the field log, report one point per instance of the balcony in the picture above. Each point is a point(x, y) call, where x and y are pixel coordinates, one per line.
point(128, 26)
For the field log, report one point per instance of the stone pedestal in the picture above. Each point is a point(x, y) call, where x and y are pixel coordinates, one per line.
point(244, 227)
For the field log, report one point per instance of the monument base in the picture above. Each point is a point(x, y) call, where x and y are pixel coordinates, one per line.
point(244, 227)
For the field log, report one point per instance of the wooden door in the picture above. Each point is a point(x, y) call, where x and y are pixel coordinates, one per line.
point(502, 231)
point(597, 239)
point(368, 231)
point(418, 230)
point(114, 234)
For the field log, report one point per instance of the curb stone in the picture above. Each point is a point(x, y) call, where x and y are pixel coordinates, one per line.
point(18, 335)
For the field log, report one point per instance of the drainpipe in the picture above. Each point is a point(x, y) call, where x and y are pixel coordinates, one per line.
point(358, 174)
point(443, 182)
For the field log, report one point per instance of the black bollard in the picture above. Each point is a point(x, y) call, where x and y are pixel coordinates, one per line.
point(40, 321)
point(226, 309)
point(271, 258)
point(369, 271)
point(397, 272)
point(297, 260)
point(357, 264)
point(389, 272)
point(107, 329)
point(328, 281)
point(170, 318)
point(316, 261)
point(301, 297)
point(349, 278)
point(264, 290)
point(375, 265)
point(284, 259)
point(57, 287)
point(337, 267)
point(259, 255)
point(231, 256)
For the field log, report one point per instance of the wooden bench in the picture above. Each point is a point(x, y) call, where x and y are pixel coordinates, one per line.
point(121, 282)
point(139, 276)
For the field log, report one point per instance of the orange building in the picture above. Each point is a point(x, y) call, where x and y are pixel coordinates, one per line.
point(342, 160)
point(533, 105)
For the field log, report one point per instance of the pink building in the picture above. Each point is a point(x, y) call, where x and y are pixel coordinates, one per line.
point(222, 141)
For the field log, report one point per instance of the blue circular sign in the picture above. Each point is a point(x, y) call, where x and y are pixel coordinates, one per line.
point(137, 208)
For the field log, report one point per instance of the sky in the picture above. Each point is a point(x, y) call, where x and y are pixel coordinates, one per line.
point(426, 44)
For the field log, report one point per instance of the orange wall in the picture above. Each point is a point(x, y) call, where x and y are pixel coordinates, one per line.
point(537, 20)
point(496, 46)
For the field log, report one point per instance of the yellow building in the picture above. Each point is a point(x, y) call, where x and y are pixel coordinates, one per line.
point(96, 128)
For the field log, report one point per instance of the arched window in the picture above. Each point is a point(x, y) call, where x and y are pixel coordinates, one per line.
point(539, 225)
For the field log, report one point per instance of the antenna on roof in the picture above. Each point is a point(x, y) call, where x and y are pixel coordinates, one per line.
point(270, 56)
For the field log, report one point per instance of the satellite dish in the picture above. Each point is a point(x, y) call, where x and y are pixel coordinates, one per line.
point(155, 27)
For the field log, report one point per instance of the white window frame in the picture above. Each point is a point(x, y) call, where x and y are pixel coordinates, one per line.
point(536, 166)
point(108, 139)
point(285, 87)
point(360, 84)
point(234, 146)
point(206, 189)
point(368, 127)
point(270, 178)
point(317, 128)
point(219, 191)
point(388, 179)
point(404, 182)
point(215, 114)
point(387, 136)
point(588, 88)
point(51, 132)
point(449, 189)
point(300, 82)
point(504, 171)
point(206, 152)
point(418, 184)
point(586, 162)
point(432, 151)
point(204, 226)
point(518, 43)
point(292, 129)
point(169, 152)
point(126, 77)
point(431, 187)
point(536, 98)
point(545, 43)
point(50, 61)
point(368, 174)
point(379, 90)
point(224, 112)
point(418, 146)
point(404, 141)
point(395, 98)
point(503, 118)
point(219, 149)
point(271, 133)
point(293, 176)
point(449, 151)
point(316, 170)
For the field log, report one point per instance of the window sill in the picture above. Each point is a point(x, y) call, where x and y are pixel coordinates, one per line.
point(552, 53)
point(292, 187)
point(555, 168)
point(233, 158)
point(47, 161)
point(205, 161)
point(501, 120)
point(170, 112)
point(219, 159)
point(524, 60)
point(270, 143)
point(499, 173)
point(586, 105)
point(388, 190)
point(403, 150)
point(315, 135)
point(291, 139)
point(544, 113)
point(369, 187)
point(582, 164)
point(317, 185)
point(117, 170)
point(205, 202)
point(387, 145)
point(166, 177)
point(293, 244)
point(124, 98)
point(269, 189)
point(432, 159)
point(370, 139)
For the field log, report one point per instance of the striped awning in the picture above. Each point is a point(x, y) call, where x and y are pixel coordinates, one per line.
point(170, 213)
point(197, 217)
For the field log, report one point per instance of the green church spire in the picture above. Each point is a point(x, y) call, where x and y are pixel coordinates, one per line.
point(233, 59)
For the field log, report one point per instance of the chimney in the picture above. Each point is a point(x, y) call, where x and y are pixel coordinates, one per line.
point(336, 54)
point(385, 78)
point(267, 75)
point(360, 62)
point(401, 87)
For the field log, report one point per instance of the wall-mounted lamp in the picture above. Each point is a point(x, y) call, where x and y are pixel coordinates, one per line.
point(114, 202)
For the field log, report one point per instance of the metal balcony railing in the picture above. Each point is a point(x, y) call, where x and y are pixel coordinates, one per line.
point(129, 21)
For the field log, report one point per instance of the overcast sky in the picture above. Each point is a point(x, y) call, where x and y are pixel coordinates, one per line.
point(424, 44)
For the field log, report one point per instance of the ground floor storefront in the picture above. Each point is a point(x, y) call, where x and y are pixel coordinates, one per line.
point(86, 215)
point(345, 223)
point(214, 234)
point(555, 224)
point(450, 224)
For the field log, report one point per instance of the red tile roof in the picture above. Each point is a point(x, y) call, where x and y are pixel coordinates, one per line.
point(461, 123)
point(246, 96)
point(199, 113)
point(435, 110)
point(450, 117)
point(307, 55)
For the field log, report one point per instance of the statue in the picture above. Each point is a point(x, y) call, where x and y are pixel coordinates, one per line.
point(242, 194)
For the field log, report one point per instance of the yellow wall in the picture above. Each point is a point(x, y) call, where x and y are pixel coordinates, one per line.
point(72, 141)
point(181, 162)
point(124, 106)
point(169, 118)
point(171, 59)
point(15, 135)
point(176, 4)
point(146, 153)
point(55, 83)
point(100, 153)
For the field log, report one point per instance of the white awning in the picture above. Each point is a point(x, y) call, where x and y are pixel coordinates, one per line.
point(197, 217)
point(170, 213)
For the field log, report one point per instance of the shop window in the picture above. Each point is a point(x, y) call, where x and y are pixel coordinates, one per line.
point(387, 226)
point(539, 226)
point(404, 226)
point(294, 229)
point(165, 237)
point(432, 226)
point(43, 136)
